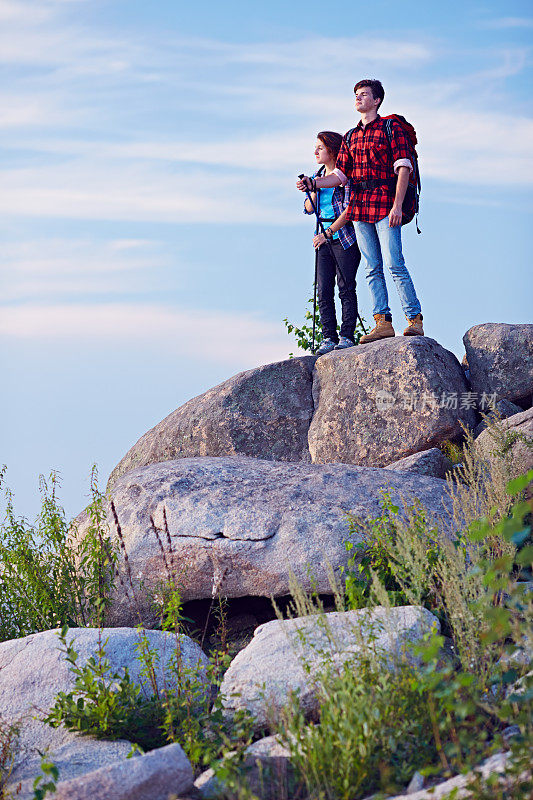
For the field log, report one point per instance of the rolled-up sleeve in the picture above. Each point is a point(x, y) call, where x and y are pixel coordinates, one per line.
point(401, 150)
point(346, 199)
point(344, 164)
point(402, 162)
point(341, 176)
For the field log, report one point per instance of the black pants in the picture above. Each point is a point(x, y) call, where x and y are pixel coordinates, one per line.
point(348, 261)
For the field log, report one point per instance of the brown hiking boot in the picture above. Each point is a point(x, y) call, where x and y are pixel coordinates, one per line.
point(414, 326)
point(382, 330)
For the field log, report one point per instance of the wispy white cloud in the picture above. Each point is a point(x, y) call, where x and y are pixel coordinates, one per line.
point(247, 338)
point(101, 190)
point(18, 11)
point(502, 23)
point(78, 267)
point(38, 34)
point(113, 169)
point(192, 181)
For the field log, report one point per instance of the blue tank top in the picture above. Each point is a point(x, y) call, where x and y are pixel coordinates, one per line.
point(326, 207)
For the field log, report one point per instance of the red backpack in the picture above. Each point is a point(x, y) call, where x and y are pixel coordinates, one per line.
point(412, 196)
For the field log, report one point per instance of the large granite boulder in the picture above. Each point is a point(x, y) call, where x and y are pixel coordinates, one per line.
point(501, 409)
point(158, 775)
point(33, 670)
point(263, 413)
point(431, 462)
point(287, 656)
point(509, 444)
point(266, 772)
point(500, 359)
point(494, 775)
point(385, 400)
point(241, 525)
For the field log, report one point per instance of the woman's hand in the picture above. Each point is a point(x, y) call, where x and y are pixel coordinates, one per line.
point(318, 240)
point(304, 183)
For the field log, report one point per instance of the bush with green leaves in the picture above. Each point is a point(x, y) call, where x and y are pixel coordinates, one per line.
point(304, 333)
point(375, 546)
point(374, 731)
point(378, 725)
point(9, 745)
point(107, 704)
point(45, 783)
point(47, 578)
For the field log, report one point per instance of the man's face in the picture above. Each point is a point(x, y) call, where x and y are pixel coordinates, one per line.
point(365, 101)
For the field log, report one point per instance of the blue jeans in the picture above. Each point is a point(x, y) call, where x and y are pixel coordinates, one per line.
point(380, 244)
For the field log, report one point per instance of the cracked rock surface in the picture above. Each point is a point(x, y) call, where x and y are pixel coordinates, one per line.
point(242, 525)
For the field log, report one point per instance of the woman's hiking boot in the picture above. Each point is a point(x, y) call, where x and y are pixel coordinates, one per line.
point(326, 347)
point(414, 326)
point(344, 342)
point(382, 330)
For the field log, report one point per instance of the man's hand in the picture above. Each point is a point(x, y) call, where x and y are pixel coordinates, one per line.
point(318, 240)
point(395, 216)
point(304, 183)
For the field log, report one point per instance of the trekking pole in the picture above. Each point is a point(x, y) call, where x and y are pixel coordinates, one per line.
point(318, 222)
point(314, 293)
point(332, 252)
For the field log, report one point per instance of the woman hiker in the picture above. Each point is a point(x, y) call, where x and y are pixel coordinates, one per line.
point(331, 205)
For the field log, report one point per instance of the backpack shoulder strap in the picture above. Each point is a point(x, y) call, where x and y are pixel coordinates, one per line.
point(388, 131)
point(349, 136)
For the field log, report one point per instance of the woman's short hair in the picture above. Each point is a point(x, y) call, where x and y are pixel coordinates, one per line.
point(331, 140)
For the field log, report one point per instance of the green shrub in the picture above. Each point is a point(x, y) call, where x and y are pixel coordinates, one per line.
point(374, 731)
point(47, 579)
point(304, 334)
point(9, 742)
point(378, 725)
point(400, 553)
point(45, 782)
point(106, 704)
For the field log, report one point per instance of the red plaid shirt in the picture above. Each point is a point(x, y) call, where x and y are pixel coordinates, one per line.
point(369, 157)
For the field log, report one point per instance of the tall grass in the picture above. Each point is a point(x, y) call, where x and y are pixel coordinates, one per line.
point(377, 725)
point(46, 579)
point(9, 739)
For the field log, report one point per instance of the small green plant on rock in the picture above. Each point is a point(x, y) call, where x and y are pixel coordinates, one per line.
point(45, 783)
point(304, 333)
point(104, 703)
point(9, 745)
point(398, 551)
point(47, 579)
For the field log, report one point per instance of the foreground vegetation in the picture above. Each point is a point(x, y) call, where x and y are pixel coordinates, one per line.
point(461, 695)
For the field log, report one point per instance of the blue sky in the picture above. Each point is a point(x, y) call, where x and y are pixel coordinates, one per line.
point(151, 238)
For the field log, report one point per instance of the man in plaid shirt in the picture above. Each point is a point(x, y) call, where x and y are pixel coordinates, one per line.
point(378, 175)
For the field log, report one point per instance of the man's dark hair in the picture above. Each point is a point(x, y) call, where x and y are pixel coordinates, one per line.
point(378, 92)
point(331, 140)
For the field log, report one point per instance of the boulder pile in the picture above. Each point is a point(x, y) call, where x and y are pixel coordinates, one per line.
point(267, 478)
